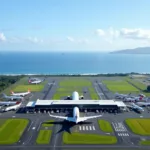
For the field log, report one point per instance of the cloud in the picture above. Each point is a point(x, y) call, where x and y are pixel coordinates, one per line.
point(100, 32)
point(111, 34)
point(108, 35)
point(2, 37)
point(135, 33)
point(34, 40)
point(77, 41)
point(71, 39)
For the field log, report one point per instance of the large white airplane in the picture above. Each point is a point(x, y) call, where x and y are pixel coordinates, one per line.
point(20, 94)
point(76, 113)
point(121, 96)
point(14, 107)
point(12, 97)
point(7, 103)
point(72, 96)
point(35, 81)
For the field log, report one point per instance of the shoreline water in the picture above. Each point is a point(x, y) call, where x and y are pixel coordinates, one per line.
point(72, 63)
point(89, 74)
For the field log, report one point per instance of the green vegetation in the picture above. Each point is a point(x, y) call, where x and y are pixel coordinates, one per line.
point(48, 123)
point(22, 85)
point(2, 121)
point(33, 88)
point(119, 86)
point(137, 84)
point(93, 93)
point(148, 88)
point(75, 83)
point(11, 130)
point(44, 137)
point(67, 86)
point(80, 138)
point(139, 126)
point(145, 142)
point(105, 126)
point(6, 81)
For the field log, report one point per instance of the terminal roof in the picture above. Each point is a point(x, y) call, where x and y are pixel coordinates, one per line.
point(75, 102)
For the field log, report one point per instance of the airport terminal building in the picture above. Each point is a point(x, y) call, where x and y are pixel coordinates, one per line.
point(88, 105)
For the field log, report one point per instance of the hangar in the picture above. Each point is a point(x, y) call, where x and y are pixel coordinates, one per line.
point(83, 105)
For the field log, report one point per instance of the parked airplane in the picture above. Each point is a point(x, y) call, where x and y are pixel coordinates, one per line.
point(136, 107)
point(7, 103)
point(138, 98)
point(128, 99)
point(20, 94)
point(35, 81)
point(121, 96)
point(15, 107)
point(143, 104)
point(11, 97)
point(76, 116)
point(77, 96)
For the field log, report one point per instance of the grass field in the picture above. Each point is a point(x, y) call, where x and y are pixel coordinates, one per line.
point(47, 123)
point(139, 126)
point(22, 86)
point(33, 88)
point(67, 86)
point(75, 83)
point(105, 126)
point(146, 142)
point(93, 93)
point(79, 138)
point(2, 121)
point(44, 137)
point(119, 86)
point(137, 84)
point(11, 130)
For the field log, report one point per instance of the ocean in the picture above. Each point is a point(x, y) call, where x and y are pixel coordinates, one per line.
point(72, 63)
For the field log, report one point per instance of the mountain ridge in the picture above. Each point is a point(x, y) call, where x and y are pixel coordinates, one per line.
point(139, 50)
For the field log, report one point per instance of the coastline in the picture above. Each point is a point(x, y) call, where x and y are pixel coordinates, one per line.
point(68, 74)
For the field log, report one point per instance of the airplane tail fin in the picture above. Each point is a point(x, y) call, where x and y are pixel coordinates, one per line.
point(12, 92)
point(141, 97)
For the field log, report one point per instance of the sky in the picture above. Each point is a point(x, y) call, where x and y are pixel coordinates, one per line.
point(74, 25)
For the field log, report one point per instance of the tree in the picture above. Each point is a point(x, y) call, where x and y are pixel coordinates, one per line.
point(148, 88)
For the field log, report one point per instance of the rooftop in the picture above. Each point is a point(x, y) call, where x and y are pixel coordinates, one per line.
point(75, 102)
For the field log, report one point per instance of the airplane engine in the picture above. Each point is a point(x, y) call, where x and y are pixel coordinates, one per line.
point(81, 97)
point(68, 97)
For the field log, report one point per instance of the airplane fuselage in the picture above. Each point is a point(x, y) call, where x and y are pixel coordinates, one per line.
point(20, 94)
point(76, 114)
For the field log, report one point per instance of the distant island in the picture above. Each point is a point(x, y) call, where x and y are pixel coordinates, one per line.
point(139, 50)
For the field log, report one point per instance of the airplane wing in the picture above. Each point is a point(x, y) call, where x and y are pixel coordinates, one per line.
point(89, 117)
point(60, 117)
point(63, 117)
